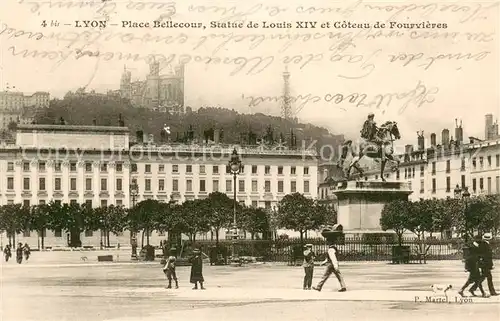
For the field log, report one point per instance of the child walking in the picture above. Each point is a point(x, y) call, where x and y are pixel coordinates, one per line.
point(169, 269)
point(197, 270)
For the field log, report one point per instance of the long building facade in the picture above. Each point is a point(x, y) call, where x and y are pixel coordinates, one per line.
point(96, 165)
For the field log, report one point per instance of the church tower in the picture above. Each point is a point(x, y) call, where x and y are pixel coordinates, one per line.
point(125, 84)
point(179, 73)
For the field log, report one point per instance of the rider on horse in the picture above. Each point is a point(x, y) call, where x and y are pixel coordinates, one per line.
point(370, 130)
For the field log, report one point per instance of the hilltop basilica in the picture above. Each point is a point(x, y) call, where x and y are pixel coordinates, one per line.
point(162, 92)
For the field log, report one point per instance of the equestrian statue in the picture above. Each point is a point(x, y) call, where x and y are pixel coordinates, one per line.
point(376, 143)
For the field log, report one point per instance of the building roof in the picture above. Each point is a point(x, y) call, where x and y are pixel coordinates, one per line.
point(72, 128)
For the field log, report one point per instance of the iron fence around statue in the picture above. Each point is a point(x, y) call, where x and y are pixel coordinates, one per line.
point(353, 249)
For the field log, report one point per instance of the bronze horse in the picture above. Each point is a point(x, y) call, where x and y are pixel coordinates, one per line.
point(382, 150)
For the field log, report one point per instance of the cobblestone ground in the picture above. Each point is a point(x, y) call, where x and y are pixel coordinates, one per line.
point(61, 286)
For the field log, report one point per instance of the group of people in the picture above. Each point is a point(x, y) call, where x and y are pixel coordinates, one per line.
point(20, 251)
point(196, 277)
point(479, 263)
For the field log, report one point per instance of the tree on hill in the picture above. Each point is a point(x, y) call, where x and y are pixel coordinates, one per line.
point(237, 128)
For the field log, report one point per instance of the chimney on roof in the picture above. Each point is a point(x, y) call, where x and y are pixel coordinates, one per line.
point(433, 140)
point(445, 137)
point(459, 132)
point(420, 140)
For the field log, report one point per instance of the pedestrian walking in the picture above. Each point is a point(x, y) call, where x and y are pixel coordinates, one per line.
point(27, 251)
point(197, 270)
point(485, 264)
point(169, 269)
point(7, 253)
point(332, 266)
point(19, 253)
point(472, 266)
point(308, 265)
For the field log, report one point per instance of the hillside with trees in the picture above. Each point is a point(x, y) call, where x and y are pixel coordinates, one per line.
point(236, 128)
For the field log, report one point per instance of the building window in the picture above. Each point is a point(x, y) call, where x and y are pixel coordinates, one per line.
point(147, 168)
point(497, 160)
point(306, 187)
point(58, 202)
point(202, 186)
point(88, 167)
point(104, 167)
point(488, 159)
point(447, 166)
point(280, 170)
point(119, 202)
point(448, 184)
point(57, 184)
point(88, 203)
point(229, 185)
point(280, 186)
point(462, 165)
point(10, 166)
point(119, 184)
point(255, 204)
point(57, 166)
point(119, 167)
point(254, 186)
point(175, 185)
point(267, 205)
point(88, 233)
point(293, 170)
point(73, 202)
point(26, 233)
point(397, 174)
point(26, 203)
point(215, 169)
point(26, 166)
point(189, 168)
point(406, 173)
point(147, 184)
point(462, 181)
point(488, 185)
point(175, 168)
point(241, 186)
point(474, 185)
point(41, 202)
point(433, 185)
point(422, 186)
point(215, 186)
point(189, 185)
point(133, 168)
point(104, 184)
point(267, 170)
point(202, 169)
point(422, 170)
point(254, 169)
point(88, 184)
point(41, 183)
point(104, 203)
point(481, 184)
point(267, 186)
point(412, 172)
point(474, 163)
point(41, 166)
point(433, 168)
point(306, 170)
point(481, 161)
point(161, 184)
point(293, 187)
point(58, 232)
point(72, 166)
point(497, 184)
point(72, 184)
point(26, 184)
point(161, 168)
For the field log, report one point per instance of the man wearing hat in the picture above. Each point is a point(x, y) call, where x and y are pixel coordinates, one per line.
point(472, 266)
point(332, 266)
point(485, 263)
point(308, 266)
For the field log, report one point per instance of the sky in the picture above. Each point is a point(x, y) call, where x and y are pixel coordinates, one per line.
point(445, 68)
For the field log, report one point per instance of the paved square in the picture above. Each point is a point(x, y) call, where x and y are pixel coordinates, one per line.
point(60, 286)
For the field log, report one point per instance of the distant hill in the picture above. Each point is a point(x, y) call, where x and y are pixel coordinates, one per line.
point(237, 128)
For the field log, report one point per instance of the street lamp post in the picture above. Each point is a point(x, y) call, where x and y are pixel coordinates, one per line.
point(235, 167)
point(464, 195)
point(134, 192)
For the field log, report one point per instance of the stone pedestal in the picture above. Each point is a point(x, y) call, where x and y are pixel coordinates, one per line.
point(360, 203)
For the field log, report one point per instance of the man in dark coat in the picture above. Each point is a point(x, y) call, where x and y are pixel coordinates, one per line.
point(472, 266)
point(197, 270)
point(308, 266)
point(485, 263)
point(19, 253)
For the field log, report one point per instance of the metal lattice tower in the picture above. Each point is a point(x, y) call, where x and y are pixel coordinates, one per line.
point(286, 105)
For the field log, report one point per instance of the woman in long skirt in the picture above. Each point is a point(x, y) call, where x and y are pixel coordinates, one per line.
point(197, 270)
